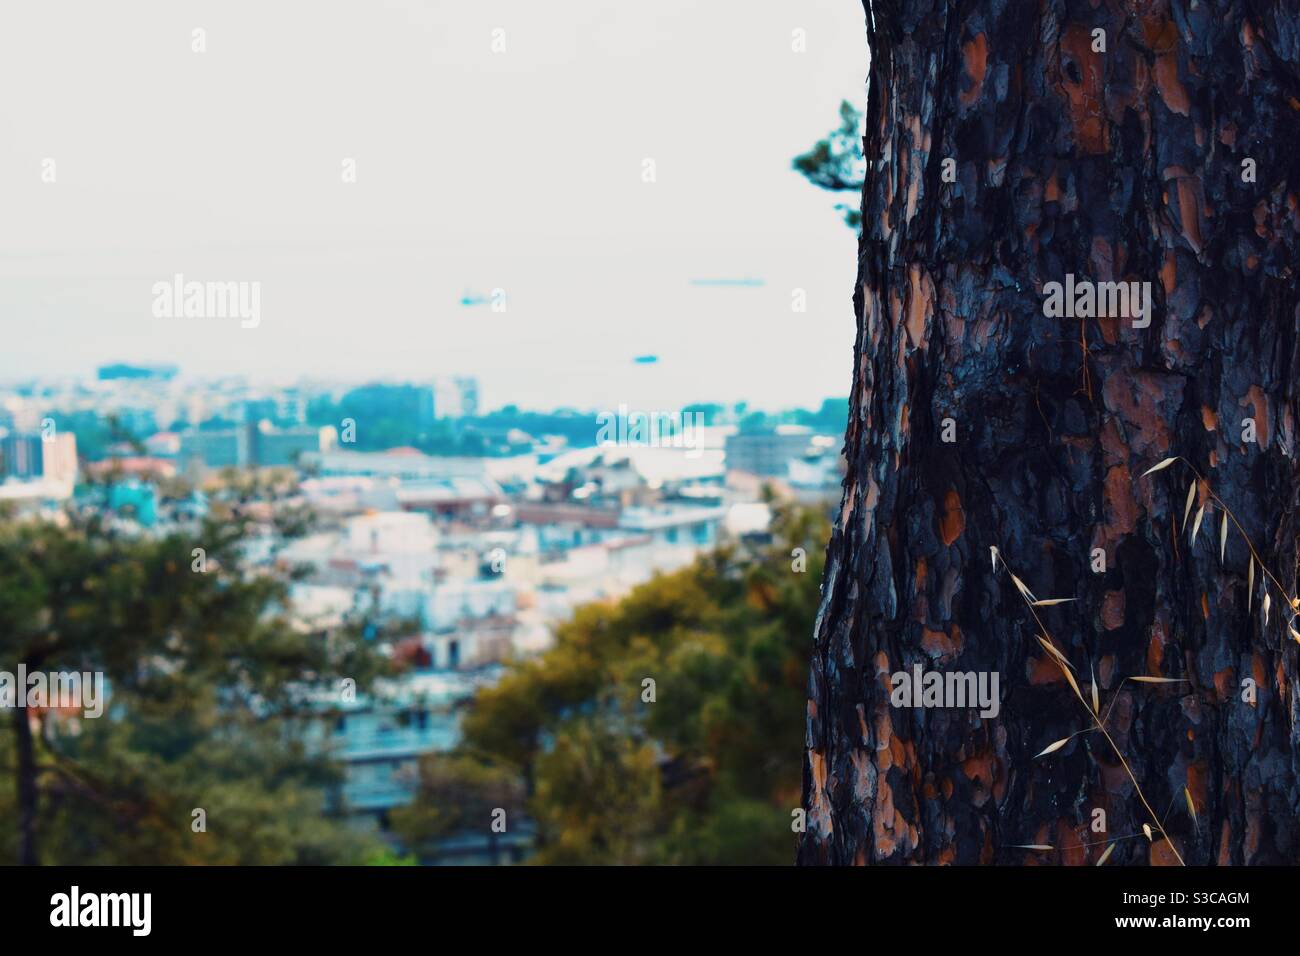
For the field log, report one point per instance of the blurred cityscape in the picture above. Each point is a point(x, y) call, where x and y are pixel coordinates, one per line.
point(462, 537)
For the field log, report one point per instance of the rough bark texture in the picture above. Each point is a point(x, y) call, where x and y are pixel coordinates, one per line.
point(1116, 165)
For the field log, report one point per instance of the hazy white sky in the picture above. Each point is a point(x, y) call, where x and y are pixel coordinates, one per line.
point(519, 170)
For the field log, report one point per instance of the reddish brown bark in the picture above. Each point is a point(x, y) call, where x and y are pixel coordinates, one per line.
point(1122, 165)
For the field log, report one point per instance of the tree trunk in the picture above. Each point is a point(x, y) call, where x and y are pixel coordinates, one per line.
point(26, 780)
point(1119, 162)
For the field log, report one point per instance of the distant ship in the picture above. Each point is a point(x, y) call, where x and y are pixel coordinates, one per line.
point(746, 283)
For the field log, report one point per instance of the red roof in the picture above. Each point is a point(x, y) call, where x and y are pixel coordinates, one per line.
point(132, 465)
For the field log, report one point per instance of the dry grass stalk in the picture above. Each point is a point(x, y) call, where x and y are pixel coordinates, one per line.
point(1063, 663)
point(1291, 601)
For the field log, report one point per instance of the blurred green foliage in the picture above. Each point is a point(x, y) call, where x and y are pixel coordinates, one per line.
point(706, 774)
point(836, 162)
point(200, 668)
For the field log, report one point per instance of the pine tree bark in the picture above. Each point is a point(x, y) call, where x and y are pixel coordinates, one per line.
point(1122, 164)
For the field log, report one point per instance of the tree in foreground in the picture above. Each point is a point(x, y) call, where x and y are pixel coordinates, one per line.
point(1010, 398)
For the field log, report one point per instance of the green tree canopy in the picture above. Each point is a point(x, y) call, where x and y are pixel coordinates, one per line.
point(200, 660)
point(836, 162)
point(708, 772)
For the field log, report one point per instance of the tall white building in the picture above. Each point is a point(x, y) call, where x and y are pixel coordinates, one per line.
point(456, 397)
